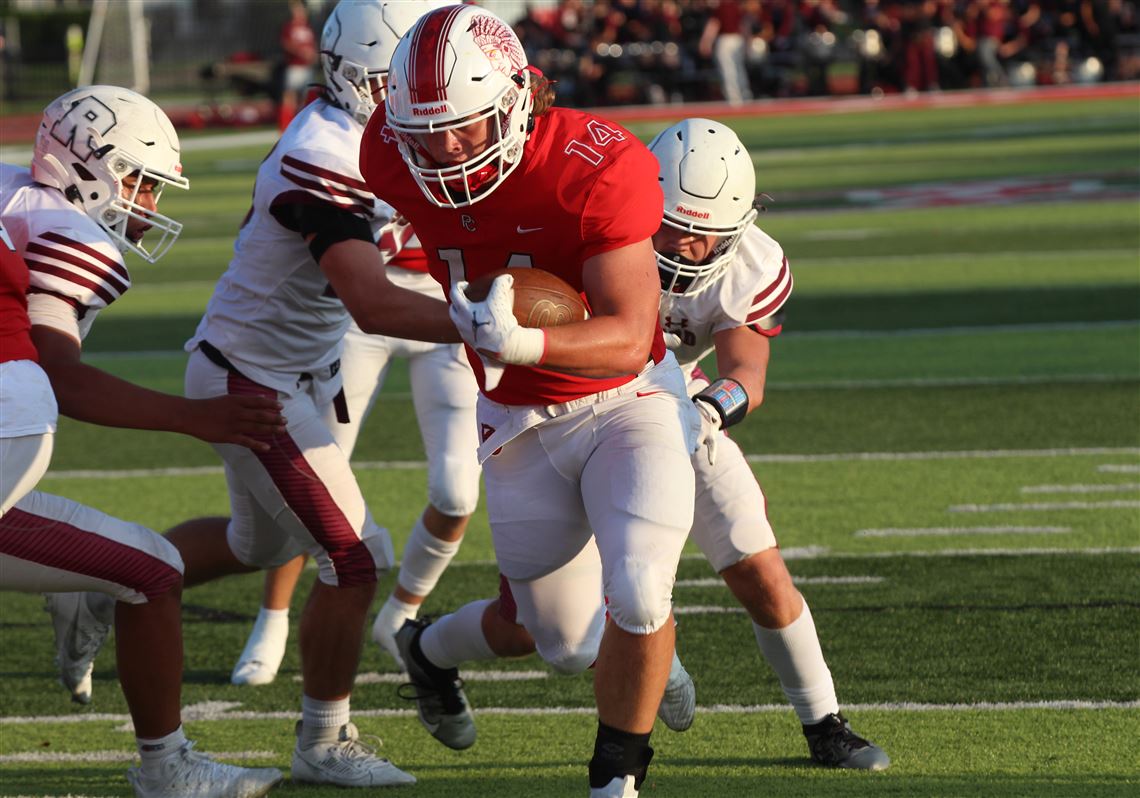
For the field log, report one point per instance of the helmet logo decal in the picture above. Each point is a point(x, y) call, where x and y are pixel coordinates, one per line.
point(692, 212)
point(86, 114)
point(498, 43)
point(427, 76)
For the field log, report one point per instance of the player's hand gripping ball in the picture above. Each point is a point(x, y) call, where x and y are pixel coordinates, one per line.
point(542, 299)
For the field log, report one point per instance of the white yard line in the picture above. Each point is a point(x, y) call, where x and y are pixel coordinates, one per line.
point(953, 531)
point(1044, 506)
point(1115, 468)
point(715, 709)
point(467, 676)
point(1123, 487)
point(404, 465)
point(48, 757)
point(799, 580)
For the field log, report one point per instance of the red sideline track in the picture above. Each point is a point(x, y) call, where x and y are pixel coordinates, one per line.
point(16, 130)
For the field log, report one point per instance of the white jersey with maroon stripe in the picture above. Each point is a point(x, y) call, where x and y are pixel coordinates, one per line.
point(68, 255)
point(273, 313)
point(751, 291)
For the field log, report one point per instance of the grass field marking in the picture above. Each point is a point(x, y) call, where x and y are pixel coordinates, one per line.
point(1123, 487)
point(953, 531)
point(406, 465)
point(964, 454)
point(711, 709)
point(982, 330)
point(373, 677)
point(1114, 468)
point(947, 382)
point(799, 580)
point(858, 261)
point(886, 555)
point(1044, 506)
point(55, 757)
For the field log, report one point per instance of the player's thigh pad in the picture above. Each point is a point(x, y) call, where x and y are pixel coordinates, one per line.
point(564, 612)
point(731, 519)
point(304, 487)
point(444, 392)
point(50, 544)
point(638, 488)
point(538, 523)
point(24, 460)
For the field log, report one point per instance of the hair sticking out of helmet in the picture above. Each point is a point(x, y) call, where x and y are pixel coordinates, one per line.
point(90, 140)
point(460, 66)
point(709, 183)
point(357, 45)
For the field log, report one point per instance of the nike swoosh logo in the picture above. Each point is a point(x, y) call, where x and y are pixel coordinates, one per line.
point(522, 230)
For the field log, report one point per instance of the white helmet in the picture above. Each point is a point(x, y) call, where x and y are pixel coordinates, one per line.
point(709, 184)
point(357, 45)
point(93, 137)
point(457, 66)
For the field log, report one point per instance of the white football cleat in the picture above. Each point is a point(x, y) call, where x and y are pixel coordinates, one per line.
point(679, 704)
point(81, 622)
point(263, 652)
point(346, 762)
point(190, 774)
point(388, 622)
point(618, 788)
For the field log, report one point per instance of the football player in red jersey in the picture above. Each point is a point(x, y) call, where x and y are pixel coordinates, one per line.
point(586, 428)
point(52, 543)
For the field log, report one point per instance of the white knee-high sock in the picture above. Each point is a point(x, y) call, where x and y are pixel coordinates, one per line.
point(424, 560)
point(794, 653)
point(458, 637)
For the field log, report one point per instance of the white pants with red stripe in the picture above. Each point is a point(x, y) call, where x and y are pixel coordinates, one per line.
point(444, 391)
point(618, 471)
point(301, 496)
point(51, 544)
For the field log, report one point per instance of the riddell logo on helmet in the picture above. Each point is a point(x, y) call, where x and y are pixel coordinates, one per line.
point(429, 110)
point(691, 212)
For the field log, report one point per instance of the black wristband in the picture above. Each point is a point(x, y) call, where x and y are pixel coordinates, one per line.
point(728, 398)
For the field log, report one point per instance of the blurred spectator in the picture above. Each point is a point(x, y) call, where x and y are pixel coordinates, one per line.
point(299, 55)
point(724, 39)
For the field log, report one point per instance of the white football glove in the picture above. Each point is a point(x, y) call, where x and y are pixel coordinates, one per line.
point(710, 429)
point(672, 340)
point(490, 327)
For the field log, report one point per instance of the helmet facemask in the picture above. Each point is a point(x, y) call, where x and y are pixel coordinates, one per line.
point(679, 275)
point(463, 184)
point(116, 215)
point(352, 85)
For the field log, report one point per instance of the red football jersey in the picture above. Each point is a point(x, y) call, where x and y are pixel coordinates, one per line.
point(585, 186)
point(15, 340)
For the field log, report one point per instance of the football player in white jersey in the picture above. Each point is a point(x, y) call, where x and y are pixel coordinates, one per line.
point(102, 156)
point(724, 286)
point(443, 386)
point(305, 260)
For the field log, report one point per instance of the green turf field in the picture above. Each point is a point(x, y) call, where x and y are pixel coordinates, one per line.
point(950, 446)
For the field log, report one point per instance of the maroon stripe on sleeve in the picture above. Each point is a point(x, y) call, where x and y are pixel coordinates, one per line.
point(112, 280)
point(55, 271)
point(91, 252)
point(335, 194)
point(756, 300)
point(328, 174)
point(57, 544)
point(308, 497)
point(771, 307)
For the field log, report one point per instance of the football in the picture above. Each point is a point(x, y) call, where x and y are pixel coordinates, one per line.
point(542, 299)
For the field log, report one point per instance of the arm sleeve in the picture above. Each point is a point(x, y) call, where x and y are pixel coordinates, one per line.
point(49, 310)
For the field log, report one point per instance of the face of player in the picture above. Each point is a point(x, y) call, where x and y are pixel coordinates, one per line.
point(458, 144)
point(693, 247)
point(146, 198)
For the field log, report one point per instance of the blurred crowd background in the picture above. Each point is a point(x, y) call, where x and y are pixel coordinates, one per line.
point(605, 52)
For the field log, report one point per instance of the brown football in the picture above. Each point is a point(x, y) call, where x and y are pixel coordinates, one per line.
point(542, 299)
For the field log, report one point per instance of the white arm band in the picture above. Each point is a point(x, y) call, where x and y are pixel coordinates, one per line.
point(47, 310)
